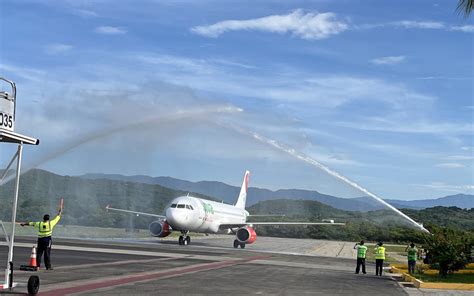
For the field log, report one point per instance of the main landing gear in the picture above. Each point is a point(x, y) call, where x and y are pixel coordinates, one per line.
point(184, 239)
point(237, 244)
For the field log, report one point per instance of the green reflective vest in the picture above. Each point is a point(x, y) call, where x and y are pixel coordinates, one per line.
point(45, 229)
point(361, 251)
point(379, 252)
point(412, 253)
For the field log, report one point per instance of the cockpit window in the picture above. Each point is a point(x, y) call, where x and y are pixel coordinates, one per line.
point(187, 207)
point(191, 207)
point(173, 205)
point(180, 206)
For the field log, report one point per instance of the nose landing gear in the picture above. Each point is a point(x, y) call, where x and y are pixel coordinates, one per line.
point(184, 239)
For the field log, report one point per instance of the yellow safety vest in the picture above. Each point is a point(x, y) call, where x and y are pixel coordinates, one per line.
point(379, 253)
point(361, 250)
point(45, 229)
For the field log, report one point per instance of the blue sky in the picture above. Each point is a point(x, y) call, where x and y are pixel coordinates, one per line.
point(379, 91)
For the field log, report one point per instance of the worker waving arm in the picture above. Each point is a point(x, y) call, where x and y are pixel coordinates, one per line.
point(58, 216)
point(52, 222)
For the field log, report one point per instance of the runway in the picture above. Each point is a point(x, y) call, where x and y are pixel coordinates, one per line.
point(207, 267)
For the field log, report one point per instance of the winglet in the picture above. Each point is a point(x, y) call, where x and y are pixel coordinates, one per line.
point(243, 192)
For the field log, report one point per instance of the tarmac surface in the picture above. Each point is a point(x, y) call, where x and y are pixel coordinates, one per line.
point(209, 266)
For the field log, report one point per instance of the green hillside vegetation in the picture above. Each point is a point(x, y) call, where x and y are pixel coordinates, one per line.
point(452, 217)
point(85, 200)
point(382, 225)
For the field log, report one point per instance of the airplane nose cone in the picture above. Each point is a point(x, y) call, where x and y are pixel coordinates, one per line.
point(177, 218)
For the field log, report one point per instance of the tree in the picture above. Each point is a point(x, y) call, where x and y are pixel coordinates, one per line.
point(465, 6)
point(449, 248)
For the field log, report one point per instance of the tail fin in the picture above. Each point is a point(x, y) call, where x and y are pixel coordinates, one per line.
point(243, 192)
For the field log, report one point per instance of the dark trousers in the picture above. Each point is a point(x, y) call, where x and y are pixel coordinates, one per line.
point(360, 261)
point(378, 266)
point(44, 246)
point(411, 266)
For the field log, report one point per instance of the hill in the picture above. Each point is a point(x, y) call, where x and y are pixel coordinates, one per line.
point(85, 199)
point(374, 225)
point(228, 194)
point(463, 201)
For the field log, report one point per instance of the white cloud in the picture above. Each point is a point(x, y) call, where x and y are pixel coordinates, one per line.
point(281, 85)
point(57, 48)
point(419, 25)
point(466, 28)
point(410, 126)
point(109, 30)
point(447, 187)
point(309, 26)
point(388, 60)
point(86, 13)
point(450, 165)
point(301, 90)
point(424, 25)
point(444, 78)
point(460, 157)
point(23, 72)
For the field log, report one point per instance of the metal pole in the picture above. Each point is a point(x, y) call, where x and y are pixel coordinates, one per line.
point(15, 202)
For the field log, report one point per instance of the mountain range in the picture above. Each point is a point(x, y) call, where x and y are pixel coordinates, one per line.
point(85, 200)
point(228, 194)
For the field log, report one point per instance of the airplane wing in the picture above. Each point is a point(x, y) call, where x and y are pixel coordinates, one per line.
point(109, 208)
point(294, 223)
point(230, 226)
point(265, 215)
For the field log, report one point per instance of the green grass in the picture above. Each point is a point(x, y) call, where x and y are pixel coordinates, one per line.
point(451, 278)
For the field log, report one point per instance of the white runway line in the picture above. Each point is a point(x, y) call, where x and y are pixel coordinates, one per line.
point(129, 252)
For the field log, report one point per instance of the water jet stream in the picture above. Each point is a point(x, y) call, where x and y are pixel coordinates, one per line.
point(301, 156)
point(203, 113)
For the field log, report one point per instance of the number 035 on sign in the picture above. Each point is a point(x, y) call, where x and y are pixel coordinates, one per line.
point(7, 108)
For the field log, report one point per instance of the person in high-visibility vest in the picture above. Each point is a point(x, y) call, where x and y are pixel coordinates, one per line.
point(411, 256)
point(361, 254)
point(45, 231)
point(379, 254)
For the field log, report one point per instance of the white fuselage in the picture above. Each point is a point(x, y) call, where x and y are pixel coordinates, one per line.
point(187, 213)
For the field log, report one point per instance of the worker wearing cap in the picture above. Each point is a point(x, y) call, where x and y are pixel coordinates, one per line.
point(379, 254)
point(45, 231)
point(361, 253)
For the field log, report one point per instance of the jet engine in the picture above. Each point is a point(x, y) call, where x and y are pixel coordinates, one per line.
point(159, 228)
point(246, 235)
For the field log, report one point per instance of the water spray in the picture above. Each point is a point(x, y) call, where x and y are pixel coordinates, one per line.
point(180, 114)
point(301, 156)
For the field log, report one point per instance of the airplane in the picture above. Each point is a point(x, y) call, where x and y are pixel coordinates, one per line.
point(188, 213)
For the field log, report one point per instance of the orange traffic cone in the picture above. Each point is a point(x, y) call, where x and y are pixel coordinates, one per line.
point(33, 258)
point(33, 266)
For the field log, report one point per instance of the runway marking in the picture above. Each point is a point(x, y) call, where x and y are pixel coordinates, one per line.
point(107, 282)
point(67, 267)
point(342, 247)
point(301, 265)
point(127, 252)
